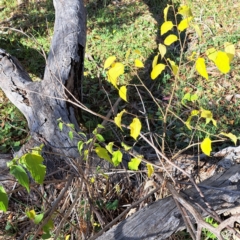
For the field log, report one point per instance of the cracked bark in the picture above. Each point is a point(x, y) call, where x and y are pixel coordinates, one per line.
point(42, 103)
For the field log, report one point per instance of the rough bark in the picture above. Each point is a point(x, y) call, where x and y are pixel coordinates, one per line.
point(42, 103)
point(162, 218)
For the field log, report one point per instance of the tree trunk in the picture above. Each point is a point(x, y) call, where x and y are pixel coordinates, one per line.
point(42, 103)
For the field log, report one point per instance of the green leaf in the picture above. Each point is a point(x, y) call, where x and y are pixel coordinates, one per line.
point(60, 125)
point(231, 136)
point(123, 93)
point(70, 134)
point(170, 39)
point(3, 199)
point(112, 205)
point(157, 70)
point(197, 29)
point(109, 147)
point(71, 125)
point(33, 163)
point(102, 153)
point(80, 146)
point(100, 138)
point(117, 158)
point(135, 128)
point(201, 67)
point(20, 174)
point(125, 146)
point(31, 214)
point(38, 218)
point(206, 146)
point(118, 118)
point(134, 163)
point(189, 97)
point(110, 60)
point(166, 26)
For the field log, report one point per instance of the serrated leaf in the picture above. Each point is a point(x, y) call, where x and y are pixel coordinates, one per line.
point(185, 11)
point(125, 146)
point(231, 136)
point(150, 169)
point(222, 62)
point(155, 60)
point(157, 70)
point(123, 93)
point(162, 49)
point(115, 72)
point(33, 163)
point(117, 158)
point(135, 128)
point(60, 125)
point(38, 218)
point(174, 67)
point(184, 24)
point(166, 26)
point(134, 164)
point(118, 118)
point(165, 12)
point(20, 174)
point(201, 67)
point(100, 138)
point(138, 63)
point(70, 134)
point(102, 153)
point(170, 39)
point(197, 29)
point(212, 54)
point(110, 60)
point(80, 146)
point(109, 147)
point(230, 50)
point(3, 199)
point(206, 146)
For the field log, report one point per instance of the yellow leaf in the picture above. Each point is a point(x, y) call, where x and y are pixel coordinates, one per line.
point(185, 11)
point(127, 54)
point(135, 128)
point(165, 12)
point(201, 67)
point(212, 54)
point(206, 146)
point(231, 136)
point(138, 63)
point(188, 123)
point(155, 60)
point(170, 39)
point(109, 61)
point(137, 52)
point(162, 49)
point(115, 72)
point(208, 116)
point(174, 66)
point(230, 50)
point(222, 62)
point(150, 169)
point(197, 29)
point(192, 57)
point(123, 93)
point(31, 214)
point(118, 118)
point(194, 112)
point(157, 70)
point(92, 180)
point(184, 24)
point(103, 153)
point(67, 237)
point(166, 26)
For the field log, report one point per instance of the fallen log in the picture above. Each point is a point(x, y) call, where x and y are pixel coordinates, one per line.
point(162, 218)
